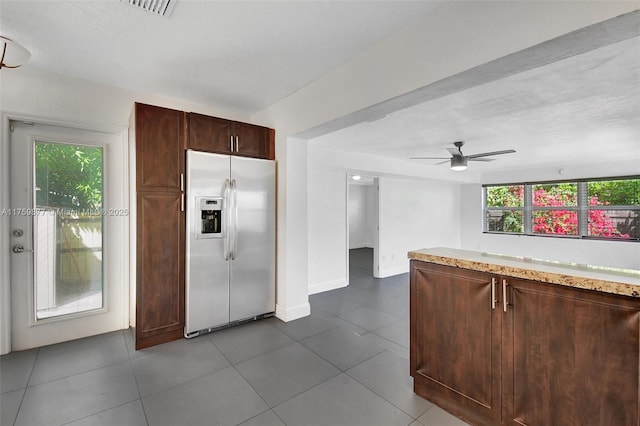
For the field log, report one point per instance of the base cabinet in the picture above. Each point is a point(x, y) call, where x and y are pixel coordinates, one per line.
point(455, 339)
point(160, 269)
point(500, 350)
point(573, 356)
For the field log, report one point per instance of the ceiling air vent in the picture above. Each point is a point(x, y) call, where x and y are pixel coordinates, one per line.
point(158, 7)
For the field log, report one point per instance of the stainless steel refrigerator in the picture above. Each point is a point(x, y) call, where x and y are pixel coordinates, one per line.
point(230, 240)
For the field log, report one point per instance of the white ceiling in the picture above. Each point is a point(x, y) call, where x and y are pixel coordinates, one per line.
point(246, 55)
point(583, 109)
point(236, 55)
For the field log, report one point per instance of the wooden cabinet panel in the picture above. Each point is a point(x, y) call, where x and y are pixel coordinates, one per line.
point(456, 337)
point(222, 136)
point(555, 355)
point(252, 141)
point(160, 272)
point(159, 139)
point(210, 134)
point(575, 357)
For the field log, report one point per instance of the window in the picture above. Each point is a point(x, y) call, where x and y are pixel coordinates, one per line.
point(506, 208)
point(603, 208)
point(555, 208)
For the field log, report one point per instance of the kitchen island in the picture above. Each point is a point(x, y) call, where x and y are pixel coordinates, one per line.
point(505, 340)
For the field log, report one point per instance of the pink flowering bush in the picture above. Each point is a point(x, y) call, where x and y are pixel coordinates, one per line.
point(565, 222)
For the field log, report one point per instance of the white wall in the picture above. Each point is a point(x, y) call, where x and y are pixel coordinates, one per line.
point(617, 254)
point(415, 214)
point(361, 215)
point(53, 97)
point(327, 225)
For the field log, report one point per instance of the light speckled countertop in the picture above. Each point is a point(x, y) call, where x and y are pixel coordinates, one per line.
point(607, 280)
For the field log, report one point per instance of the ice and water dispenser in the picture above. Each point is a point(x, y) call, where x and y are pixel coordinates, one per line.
point(210, 210)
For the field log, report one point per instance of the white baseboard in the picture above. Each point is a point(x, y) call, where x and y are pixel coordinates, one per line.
point(293, 313)
point(389, 272)
point(358, 246)
point(326, 286)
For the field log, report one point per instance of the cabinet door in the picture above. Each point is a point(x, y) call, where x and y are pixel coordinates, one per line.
point(455, 340)
point(159, 140)
point(210, 134)
point(252, 141)
point(571, 356)
point(160, 271)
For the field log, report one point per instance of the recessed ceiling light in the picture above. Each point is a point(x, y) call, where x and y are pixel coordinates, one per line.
point(356, 177)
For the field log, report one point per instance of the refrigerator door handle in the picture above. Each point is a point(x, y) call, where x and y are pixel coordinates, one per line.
point(227, 208)
point(234, 212)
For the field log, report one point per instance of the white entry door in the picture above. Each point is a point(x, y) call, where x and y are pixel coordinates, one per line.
point(68, 233)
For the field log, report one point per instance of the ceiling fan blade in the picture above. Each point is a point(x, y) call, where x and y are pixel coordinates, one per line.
point(486, 154)
point(454, 152)
point(481, 159)
point(429, 158)
point(441, 162)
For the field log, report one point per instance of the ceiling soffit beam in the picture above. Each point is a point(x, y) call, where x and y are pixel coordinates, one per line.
point(592, 37)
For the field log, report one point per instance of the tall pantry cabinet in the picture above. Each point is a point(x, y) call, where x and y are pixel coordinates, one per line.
point(159, 136)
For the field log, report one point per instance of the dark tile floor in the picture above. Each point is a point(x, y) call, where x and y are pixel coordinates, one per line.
point(345, 365)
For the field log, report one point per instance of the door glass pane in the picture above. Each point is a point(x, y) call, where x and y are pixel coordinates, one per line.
point(67, 229)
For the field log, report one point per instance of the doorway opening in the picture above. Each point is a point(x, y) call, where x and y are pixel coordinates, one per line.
point(362, 225)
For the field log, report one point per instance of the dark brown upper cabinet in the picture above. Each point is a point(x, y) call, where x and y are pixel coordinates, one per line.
point(222, 136)
point(159, 140)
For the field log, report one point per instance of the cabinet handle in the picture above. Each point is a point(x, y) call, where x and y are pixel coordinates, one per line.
point(181, 181)
point(504, 294)
point(493, 293)
point(237, 144)
point(181, 202)
point(231, 143)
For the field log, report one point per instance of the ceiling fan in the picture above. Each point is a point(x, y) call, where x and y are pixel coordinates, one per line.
point(459, 160)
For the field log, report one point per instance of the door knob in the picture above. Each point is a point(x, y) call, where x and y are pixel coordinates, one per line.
point(19, 248)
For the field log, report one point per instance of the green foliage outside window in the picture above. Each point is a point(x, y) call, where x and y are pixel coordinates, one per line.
point(68, 176)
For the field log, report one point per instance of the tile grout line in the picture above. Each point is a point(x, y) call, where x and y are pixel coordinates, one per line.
point(340, 369)
point(390, 402)
point(100, 412)
point(247, 382)
point(271, 408)
point(26, 386)
point(255, 356)
point(135, 378)
point(80, 372)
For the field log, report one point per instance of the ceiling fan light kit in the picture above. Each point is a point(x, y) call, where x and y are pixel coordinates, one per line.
point(458, 163)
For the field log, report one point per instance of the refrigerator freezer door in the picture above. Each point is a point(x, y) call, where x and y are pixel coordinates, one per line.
point(207, 271)
point(253, 275)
